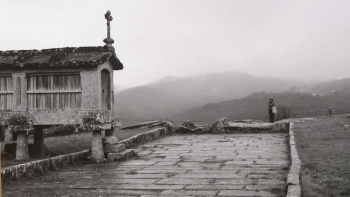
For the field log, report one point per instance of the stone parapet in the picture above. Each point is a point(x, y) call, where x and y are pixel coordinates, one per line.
point(145, 137)
point(30, 169)
point(257, 128)
point(293, 179)
point(222, 126)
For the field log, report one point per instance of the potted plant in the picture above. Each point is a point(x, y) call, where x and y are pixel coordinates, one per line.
point(20, 124)
point(94, 121)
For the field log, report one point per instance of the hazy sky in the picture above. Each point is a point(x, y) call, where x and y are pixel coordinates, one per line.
point(156, 38)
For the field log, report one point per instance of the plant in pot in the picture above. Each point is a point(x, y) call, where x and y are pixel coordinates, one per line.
point(20, 124)
point(94, 121)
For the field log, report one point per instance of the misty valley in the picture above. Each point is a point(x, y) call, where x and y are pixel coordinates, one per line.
point(231, 95)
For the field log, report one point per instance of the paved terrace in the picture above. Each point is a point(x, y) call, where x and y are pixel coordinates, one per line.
point(179, 165)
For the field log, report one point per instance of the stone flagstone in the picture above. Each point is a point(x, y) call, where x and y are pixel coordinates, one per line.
point(189, 165)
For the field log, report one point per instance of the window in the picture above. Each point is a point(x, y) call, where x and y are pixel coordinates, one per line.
point(6, 92)
point(54, 91)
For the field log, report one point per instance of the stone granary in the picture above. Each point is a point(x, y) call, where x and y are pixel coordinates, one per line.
point(58, 86)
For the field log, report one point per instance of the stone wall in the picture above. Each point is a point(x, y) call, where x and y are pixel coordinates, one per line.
point(145, 137)
point(293, 179)
point(262, 128)
point(222, 126)
point(30, 169)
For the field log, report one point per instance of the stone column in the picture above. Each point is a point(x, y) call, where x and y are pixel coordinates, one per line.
point(22, 152)
point(8, 134)
point(97, 153)
point(39, 146)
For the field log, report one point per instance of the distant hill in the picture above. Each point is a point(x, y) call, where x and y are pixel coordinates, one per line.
point(254, 106)
point(342, 85)
point(165, 80)
point(171, 95)
point(119, 88)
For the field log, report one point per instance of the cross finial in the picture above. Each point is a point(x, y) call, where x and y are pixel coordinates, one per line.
point(109, 41)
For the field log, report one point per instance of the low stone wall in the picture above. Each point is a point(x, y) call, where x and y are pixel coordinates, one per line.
point(145, 124)
point(258, 128)
point(222, 126)
point(13, 173)
point(145, 137)
point(293, 181)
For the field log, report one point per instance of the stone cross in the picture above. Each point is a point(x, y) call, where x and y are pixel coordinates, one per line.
point(108, 40)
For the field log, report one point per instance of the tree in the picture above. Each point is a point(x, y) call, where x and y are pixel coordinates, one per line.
point(284, 112)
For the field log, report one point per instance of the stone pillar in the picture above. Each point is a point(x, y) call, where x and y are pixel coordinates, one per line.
point(22, 152)
point(39, 146)
point(8, 135)
point(97, 153)
point(109, 138)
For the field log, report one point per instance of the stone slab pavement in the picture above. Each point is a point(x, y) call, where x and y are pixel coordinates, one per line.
point(178, 165)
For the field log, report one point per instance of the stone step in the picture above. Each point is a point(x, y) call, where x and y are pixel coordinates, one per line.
point(113, 148)
point(126, 154)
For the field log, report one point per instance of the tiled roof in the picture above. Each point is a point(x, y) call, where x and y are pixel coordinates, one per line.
point(59, 57)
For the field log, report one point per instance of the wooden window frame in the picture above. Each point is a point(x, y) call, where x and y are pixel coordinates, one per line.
point(52, 99)
point(8, 92)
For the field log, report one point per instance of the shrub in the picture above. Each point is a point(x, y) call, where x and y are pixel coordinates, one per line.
point(284, 112)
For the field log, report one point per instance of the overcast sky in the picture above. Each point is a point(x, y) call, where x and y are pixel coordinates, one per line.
point(156, 38)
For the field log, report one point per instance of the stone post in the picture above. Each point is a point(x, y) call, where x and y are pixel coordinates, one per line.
point(39, 146)
point(97, 153)
point(22, 152)
point(8, 135)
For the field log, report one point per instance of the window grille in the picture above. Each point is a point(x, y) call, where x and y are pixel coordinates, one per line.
point(54, 91)
point(6, 93)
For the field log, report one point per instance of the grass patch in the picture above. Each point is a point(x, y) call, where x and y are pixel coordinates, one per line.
point(60, 145)
point(323, 146)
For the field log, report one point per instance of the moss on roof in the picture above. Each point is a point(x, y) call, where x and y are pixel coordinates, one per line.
point(59, 57)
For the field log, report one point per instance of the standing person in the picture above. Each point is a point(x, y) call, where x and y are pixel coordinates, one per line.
point(330, 111)
point(271, 104)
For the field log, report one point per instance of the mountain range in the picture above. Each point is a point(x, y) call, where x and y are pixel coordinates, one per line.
point(169, 96)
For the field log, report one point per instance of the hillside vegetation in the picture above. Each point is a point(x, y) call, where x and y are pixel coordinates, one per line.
point(254, 106)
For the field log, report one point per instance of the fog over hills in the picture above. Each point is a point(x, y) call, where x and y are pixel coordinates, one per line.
point(254, 106)
point(171, 95)
point(342, 85)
